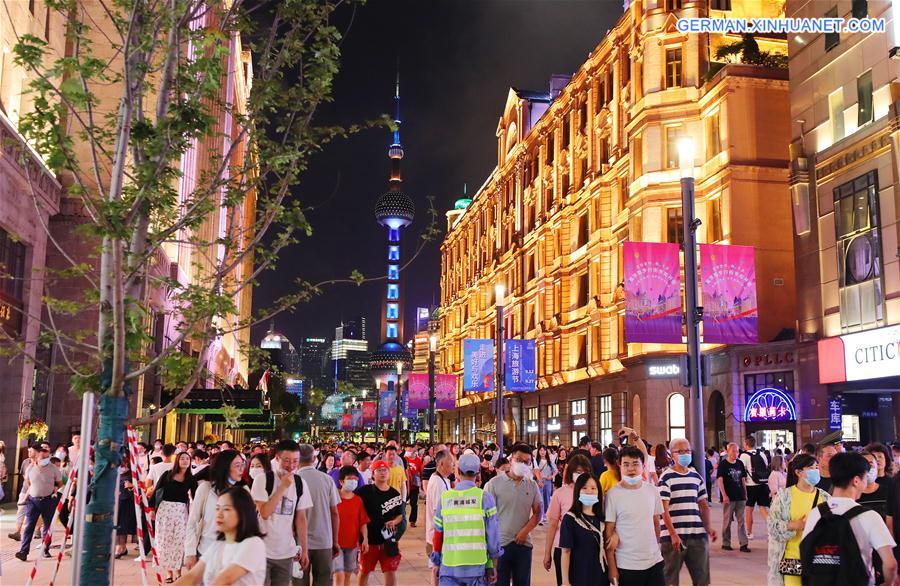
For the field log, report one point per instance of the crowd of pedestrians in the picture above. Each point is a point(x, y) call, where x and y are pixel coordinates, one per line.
point(631, 513)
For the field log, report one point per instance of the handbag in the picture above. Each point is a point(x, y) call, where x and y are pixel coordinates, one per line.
point(792, 566)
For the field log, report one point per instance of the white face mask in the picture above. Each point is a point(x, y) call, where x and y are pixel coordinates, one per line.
point(256, 472)
point(520, 469)
point(872, 474)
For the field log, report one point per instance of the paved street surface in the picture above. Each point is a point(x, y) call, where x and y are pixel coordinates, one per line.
point(728, 568)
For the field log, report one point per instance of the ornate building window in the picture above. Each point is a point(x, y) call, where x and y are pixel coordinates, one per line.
point(673, 68)
point(393, 292)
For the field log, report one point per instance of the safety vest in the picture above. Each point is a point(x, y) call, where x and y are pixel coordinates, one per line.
point(465, 538)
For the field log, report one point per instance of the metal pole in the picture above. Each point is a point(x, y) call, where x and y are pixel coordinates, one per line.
point(498, 385)
point(693, 310)
point(88, 402)
point(431, 398)
point(398, 423)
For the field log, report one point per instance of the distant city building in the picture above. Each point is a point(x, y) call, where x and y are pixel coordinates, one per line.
point(350, 356)
point(282, 353)
point(314, 353)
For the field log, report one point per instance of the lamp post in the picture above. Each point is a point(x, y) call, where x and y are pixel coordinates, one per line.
point(499, 292)
point(432, 347)
point(397, 389)
point(693, 311)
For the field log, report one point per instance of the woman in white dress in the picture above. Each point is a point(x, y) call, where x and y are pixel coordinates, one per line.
point(238, 556)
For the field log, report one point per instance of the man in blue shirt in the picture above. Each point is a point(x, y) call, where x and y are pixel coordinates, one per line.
point(458, 559)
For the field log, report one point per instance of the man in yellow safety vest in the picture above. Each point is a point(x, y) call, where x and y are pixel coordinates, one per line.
point(466, 532)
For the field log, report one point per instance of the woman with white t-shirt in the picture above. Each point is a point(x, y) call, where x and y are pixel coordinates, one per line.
point(238, 556)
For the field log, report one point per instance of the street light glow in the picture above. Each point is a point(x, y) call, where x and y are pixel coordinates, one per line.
point(686, 156)
point(432, 342)
point(499, 292)
point(399, 368)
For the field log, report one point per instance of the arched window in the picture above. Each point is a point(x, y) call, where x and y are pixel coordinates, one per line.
point(677, 416)
point(512, 137)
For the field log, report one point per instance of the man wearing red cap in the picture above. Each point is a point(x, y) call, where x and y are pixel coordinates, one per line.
point(384, 506)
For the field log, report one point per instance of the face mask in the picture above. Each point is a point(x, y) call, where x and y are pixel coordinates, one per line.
point(520, 469)
point(44, 462)
point(350, 484)
point(575, 477)
point(684, 460)
point(256, 472)
point(588, 500)
point(872, 474)
point(231, 480)
point(813, 476)
point(61, 455)
point(631, 480)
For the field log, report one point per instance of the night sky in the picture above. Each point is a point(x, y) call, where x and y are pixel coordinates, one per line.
point(458, 59)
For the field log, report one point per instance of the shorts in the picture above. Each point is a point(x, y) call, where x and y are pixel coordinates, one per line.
point(376, 555)
point(346, 561)
point(759, 495)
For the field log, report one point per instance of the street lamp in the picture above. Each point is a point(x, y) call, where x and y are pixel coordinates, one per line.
point(399, 386)
point(499, 292)
point(694, 313)
point(432, 347)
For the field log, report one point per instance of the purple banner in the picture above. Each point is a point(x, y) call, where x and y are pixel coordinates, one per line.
point(445, 391)
point(406, 410)
point(387, 408)
point(368, 412)
point(652, 293)
point(418, 390)
point(728, 277)
point(478, 366)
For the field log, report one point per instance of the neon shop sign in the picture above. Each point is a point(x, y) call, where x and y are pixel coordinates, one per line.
point(770, 405)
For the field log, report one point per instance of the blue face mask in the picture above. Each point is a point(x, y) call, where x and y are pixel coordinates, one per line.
point(350, 484)
point(685, 459)
point(231, 480)
point(588, 500)
point(813, 476)
point(632, 480)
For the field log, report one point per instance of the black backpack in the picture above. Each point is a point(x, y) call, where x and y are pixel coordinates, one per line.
point(760, 470)
point(829, 554)
point(270, 484)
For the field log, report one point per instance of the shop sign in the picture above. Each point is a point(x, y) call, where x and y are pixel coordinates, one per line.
point(869, 413)
point(767, 359)
point(861, 356)
point(531, 427)
point(553, 425)
point(770, 405)
point(835, 411)
point(579, 422)
point(664, 370)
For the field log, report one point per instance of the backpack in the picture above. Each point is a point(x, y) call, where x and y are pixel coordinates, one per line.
point(270, 484)
point(759, 469)
point(829, 554)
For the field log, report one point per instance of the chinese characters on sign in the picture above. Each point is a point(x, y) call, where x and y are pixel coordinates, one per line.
point(387, 407)
point(418, 390)
point(835, 412)
point(520, 371)
point(478, 371)
point(652, 292)
point(770, 405)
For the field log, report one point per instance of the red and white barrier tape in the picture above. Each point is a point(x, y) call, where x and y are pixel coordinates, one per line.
point(48, 531)
point(140, 497)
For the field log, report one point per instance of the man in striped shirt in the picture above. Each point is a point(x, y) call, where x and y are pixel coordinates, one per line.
point(685, 523)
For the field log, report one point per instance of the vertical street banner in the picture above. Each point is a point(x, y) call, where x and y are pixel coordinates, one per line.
point(387, 407)
point(356, 423)
point(728, 277)
point(520, 366)
point(445, 391)
point(346, 422)
point(407, 410)
point(652, 292)
point(339, 423)
point(835, 412)
point(478, 366)
point(368, 412)
point(418, 390)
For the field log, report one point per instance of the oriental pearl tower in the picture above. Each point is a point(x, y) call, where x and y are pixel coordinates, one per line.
point(394, 211)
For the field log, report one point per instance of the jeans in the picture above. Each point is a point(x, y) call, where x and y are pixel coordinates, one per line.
point(279, 572)
point(36, 507)
point(514, 565)
point(546, 493)
point(319, 571)
point(736, 509)
point(413, 505)
point(652, 576)
point(452, 581)
point(695, 556)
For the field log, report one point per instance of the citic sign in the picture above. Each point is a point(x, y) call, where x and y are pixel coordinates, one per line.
point(871, 354)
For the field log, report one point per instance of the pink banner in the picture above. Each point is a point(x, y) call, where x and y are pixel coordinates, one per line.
point(445, 391)
point(728, 277)
point(652, 292)
point(418, 390)
point(346, 422)
point(368, 412)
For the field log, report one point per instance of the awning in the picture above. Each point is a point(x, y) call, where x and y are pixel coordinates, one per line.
point(211, 401)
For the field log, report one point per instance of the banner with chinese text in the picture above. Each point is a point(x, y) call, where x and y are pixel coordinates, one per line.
point(478, 366)
point(652, 292)
point(728, 277)
point(406, 410)
point(387, 407)
point(520, 366)
point(445, 391)
point(418, 390)
point(346, 422)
